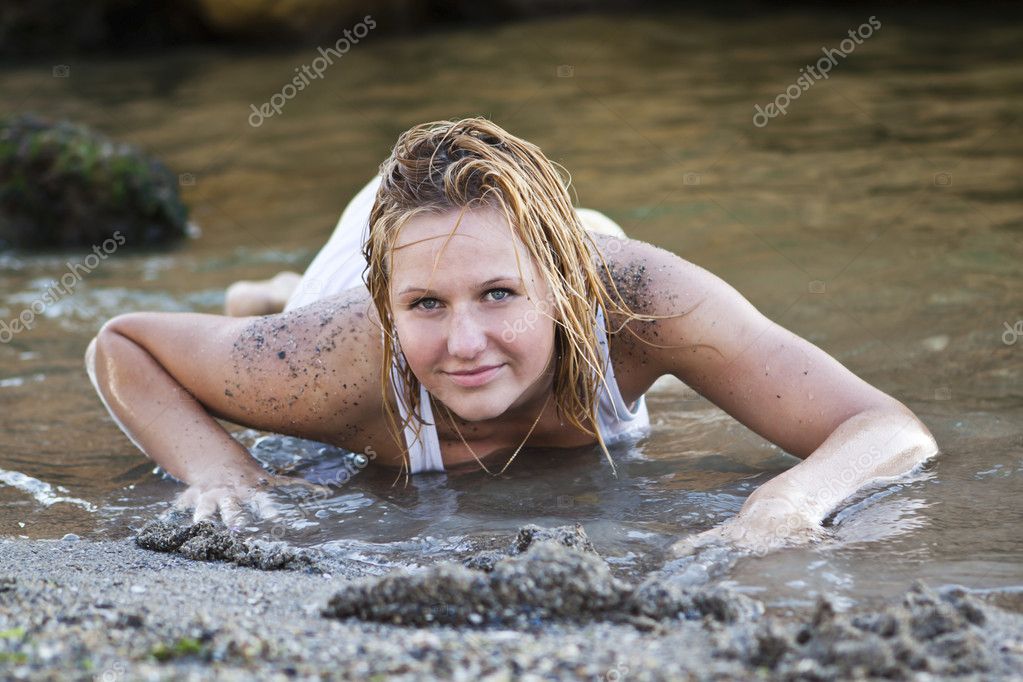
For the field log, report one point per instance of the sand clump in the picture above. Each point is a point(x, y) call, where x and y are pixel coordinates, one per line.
point(568, 536)
point(205, 541)
point(946, 634)
point(544, 575)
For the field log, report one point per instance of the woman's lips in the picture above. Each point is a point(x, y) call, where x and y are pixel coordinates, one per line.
point(476, 378)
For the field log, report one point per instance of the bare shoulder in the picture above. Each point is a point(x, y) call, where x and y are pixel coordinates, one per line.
point(651, 281)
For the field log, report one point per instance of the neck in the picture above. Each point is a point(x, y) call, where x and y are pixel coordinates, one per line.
point(534, 400)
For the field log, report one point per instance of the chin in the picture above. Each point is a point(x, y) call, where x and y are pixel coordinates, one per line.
point(476, 408)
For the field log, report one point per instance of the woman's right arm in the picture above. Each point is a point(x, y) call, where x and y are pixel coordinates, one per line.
point(165, 378)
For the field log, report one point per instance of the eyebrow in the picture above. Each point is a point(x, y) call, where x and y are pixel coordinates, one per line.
point(480, 285)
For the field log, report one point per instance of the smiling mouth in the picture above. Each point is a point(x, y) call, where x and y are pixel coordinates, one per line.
point(474, 371)
point(475, 378)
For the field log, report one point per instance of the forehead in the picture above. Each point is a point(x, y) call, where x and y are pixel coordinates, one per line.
point(483, 243)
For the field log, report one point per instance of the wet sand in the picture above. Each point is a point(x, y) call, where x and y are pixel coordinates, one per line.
point(541, 604)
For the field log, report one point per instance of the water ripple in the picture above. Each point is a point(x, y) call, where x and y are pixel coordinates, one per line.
point(42, 491)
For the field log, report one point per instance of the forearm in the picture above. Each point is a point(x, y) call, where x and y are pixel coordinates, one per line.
point(161, 418)
point(871, 445)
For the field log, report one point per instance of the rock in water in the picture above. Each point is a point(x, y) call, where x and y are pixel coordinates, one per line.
point(63, 185)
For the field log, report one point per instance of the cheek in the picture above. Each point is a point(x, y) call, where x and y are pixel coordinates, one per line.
point(420, 343)
point(531, 339)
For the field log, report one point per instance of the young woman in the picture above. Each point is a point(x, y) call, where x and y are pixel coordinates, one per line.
point(489, 319)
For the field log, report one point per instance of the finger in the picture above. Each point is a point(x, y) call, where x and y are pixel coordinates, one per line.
point(186, 500)
point(317, 488)
point(205, 506)
point(683, 548)
point(231, 512)
point(297, 481)
point(263, 505)
point(691, 544)
point(301, 484)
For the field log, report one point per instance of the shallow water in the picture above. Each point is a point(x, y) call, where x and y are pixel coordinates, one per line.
point(881, 218)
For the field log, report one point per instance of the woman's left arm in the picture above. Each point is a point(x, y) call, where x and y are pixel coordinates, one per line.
point(784, 388)
point(869, 446)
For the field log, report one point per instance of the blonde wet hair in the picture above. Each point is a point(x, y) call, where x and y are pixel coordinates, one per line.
point(469, 163)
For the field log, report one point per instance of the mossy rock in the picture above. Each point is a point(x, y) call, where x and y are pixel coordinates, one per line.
point(63, 185)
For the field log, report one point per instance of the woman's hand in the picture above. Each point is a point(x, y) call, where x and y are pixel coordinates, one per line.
point(761, 525)
point(231, 498)
point(868, 447)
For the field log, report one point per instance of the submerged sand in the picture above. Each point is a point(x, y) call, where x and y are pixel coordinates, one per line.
point(196, 601)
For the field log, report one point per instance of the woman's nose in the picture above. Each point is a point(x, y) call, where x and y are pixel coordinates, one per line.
point(466, 336)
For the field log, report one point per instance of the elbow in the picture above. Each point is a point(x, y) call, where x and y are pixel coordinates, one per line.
point(113, 328)
point(90, 368)
point(100, 339)
point(95, 354)
point(910, 442)
point(885, 441)
point(927, 446)
point(90, 356)
point(918, 436)
point(116, 325)
point(920, 448)
point(100, 347)
point(907, 431)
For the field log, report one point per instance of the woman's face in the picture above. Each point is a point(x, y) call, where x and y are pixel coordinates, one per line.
point(459, 305)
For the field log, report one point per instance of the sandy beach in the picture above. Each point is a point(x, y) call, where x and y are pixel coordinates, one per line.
point(540, 605)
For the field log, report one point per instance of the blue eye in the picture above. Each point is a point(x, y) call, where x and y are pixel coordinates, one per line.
point(419, 302)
